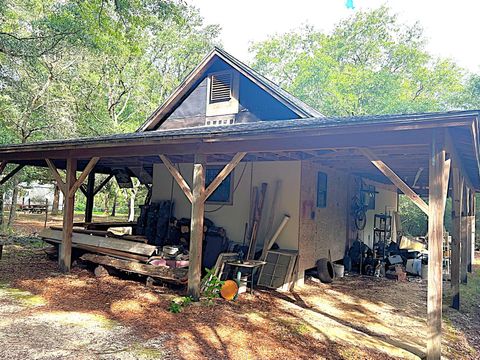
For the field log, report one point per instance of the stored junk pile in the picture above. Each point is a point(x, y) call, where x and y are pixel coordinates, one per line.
point(156, 246)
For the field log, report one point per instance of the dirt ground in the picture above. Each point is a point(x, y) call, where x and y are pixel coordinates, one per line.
point(48, 315)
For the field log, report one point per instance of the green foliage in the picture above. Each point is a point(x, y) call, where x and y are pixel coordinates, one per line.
point(176, 305)
point(211, 285)
point(369, 64)
point(83, 68)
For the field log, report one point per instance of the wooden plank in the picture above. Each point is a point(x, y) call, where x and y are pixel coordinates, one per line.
point(91, 164)
point(395, 179)
point(11, 174)
point(224, 173)
point(177, 176)
point(160, 272)
point(456, 237)
point(109, 234)
point(104, 251)
point(65, 255)
point(196, 227)
point(435, 248)
point(103, 242)
point(56, 176)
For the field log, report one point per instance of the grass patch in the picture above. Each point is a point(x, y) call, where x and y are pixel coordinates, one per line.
point(142, 352)
point(25, 298)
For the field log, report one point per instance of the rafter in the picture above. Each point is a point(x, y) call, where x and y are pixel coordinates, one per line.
point(57, 177)
point(11, 174)
point(91, 164)
point(395, 179)
point(177, 176)
point(224, 173)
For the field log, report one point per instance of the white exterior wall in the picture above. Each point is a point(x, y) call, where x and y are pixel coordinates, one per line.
point(233, 217)
point(385, 201)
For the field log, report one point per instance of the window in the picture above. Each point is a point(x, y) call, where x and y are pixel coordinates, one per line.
point(224, 192)
point(321, 190)
point(221, 87)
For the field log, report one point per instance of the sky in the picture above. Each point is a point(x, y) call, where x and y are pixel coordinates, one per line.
point(450, 26)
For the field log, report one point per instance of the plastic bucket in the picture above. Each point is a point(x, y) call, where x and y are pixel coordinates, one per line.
point(424, 271)
point(339, 270)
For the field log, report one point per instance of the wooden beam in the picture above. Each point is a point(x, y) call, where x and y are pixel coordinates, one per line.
point(435, 248)
point(65, 258)
point(11, 174)
point(91, 164)
point(395, 179)
point(224, 173)
point(177, 176)
point(56, 176)
point(90, 197)
point(3, 165)
point(196, 227)
point(452, 151)
point(102, 184)
point(456, 237)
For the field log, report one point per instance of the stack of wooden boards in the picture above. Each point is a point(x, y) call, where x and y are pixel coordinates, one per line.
point(127, 253)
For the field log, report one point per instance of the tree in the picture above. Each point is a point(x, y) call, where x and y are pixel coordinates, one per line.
point(82, 68)
point(369, 64)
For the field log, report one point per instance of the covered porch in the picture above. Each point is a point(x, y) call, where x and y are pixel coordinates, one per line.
point(422, 154)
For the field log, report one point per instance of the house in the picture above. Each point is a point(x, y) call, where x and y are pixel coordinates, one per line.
point(222, 91)
point(227, 129)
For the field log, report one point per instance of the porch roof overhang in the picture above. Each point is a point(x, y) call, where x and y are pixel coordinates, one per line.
point(401, 141)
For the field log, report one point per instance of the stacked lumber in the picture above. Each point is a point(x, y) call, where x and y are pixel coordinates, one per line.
point(177, 275)
point(121, 248)
point(105, 233)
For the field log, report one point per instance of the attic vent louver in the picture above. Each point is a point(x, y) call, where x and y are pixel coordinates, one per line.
point(221, 87)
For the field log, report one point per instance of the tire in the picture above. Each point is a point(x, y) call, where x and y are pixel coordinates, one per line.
point(325, 270)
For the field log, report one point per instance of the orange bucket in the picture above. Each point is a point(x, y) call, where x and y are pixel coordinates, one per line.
point(229, 290)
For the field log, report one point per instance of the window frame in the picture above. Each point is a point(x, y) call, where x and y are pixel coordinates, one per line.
point(230, 176)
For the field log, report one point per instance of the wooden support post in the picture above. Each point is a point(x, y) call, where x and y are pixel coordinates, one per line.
point(395, 179)
point(196, 227)
point(435, 243)
point(177, 176)
point(464, 239)
point(456, 237)
point(472, 234)
point(11, 174)
point(65, 257)
point(90, 195)
point(3, 164)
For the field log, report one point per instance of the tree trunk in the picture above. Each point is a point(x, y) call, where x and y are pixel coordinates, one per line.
point(56, 200)
point(131, 205)
point(1, 206)
point(105, 202)
point(114, 207)
point(13, 206)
